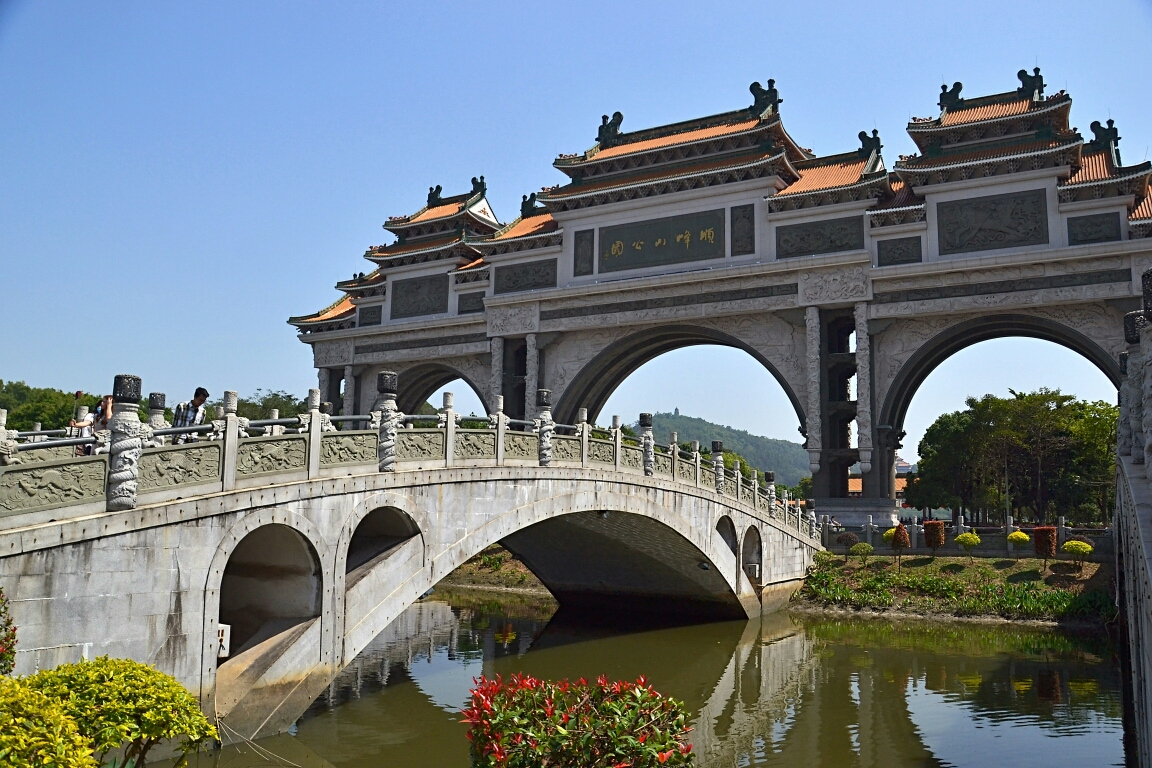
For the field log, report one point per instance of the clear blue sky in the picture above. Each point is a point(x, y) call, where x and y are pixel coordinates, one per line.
point(176, 180)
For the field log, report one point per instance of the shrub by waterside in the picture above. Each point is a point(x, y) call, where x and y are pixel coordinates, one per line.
point(7, 638)
point(36, 733)
point(523, 722)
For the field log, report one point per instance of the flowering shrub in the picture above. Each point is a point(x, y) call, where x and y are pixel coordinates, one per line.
point(7, 638)
point(933, 535)
point(123, 703)
point(899, 541)
point(848, 539)
point(1019, 537)
point(523, 722)
point(968, 541)
point(1078, 549)
point(889, 535)
point(862, 551)
point(34, 731)
point(1044, 542)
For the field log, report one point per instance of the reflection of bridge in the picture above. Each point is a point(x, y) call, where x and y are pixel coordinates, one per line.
point(297, 549)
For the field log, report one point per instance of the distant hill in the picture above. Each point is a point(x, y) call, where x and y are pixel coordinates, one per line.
point(788, 460)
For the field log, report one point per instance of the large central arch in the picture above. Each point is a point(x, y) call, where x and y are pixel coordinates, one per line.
point(419, 382)
point(597, 380)
point(950, 341)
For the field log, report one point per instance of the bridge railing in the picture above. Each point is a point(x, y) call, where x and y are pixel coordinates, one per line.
point(136, 463)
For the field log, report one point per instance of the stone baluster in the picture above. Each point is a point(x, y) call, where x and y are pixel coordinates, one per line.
point(447, 421)
point(814, 371)
point(617, 441)
point(544, 425)
point(349, 397)
point(231, 439)
point(156, 420)
point(674, 455)
point(312, 426)
point(1123, 427)
point(127, 443)
point(531, 376)
point(718, 464)
point(770, 488)
point(274, 430)
point(9, 453)
point(863, 387)
point(1133, 322)
point(496, 382)
point(585, 432)
point(696, 460)
point(499, 422)
point(755, 488)
point(390, 420)
point(647, 444)
point(737, 477)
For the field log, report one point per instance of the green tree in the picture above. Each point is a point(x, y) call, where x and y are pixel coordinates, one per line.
point(26, 405)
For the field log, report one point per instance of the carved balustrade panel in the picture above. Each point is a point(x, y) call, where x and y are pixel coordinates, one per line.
point(631, 457)
point(565, 448)
point(707, 478)
point(420, 444)
point(358, 447)
point(686, 471)
point(746, 495)
point(663, 464)
point(475, 444)
point(56, 453)
point(48, 484)
point(602, 451)
point(265, 455)
point(175, 465)
point(521, 445)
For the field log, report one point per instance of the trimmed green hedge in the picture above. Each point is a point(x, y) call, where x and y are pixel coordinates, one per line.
point(36, 733)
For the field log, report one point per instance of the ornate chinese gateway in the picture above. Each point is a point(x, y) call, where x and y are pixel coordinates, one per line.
point(724, 230)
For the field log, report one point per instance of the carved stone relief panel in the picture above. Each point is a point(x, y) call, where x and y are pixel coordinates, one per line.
point(468, 303)
point(328, 353)
point(47, 485)
point(521, 445)
point(475, 445)
point(686, 471)
point(276, 455)
point(419, 296)
point(347, 448)
point(1097, 228)
point(183, 465)
point(584, 252)
point(369, 315)
point(48, 454)
point(631, 457)
point(416, 445)
point(565, 448)
point(529, 276)
point(601, 451)
point(900, 250)
point(743, 229)
point(828, 287)
point(815, 237)
point(663, 464)
point(987, 223)
point(517, 319)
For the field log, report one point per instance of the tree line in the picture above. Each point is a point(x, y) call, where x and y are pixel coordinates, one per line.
point(1038, 455)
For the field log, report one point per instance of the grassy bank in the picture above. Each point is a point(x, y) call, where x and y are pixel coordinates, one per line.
point(953, 586)
point(496, 569)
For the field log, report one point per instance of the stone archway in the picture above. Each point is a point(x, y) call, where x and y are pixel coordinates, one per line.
point(596, 380)
point(752, 557)
point(419, 382)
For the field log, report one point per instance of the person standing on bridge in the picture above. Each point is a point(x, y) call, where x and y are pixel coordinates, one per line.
point(190, 413)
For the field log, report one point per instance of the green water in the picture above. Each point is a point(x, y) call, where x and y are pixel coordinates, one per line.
point(780, 691)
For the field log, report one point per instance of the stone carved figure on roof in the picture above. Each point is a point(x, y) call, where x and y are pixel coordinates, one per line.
point(950, 99)
point(609, 130)
point(1105, 137)
point(434, 195)
point(765, 98)
point(1031, 86)
point(869, 144)
point(528, 206)
point(478, 186)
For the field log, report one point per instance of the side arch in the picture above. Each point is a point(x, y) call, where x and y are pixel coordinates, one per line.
point(951, 340)
point(418, 383)
point(600, 377)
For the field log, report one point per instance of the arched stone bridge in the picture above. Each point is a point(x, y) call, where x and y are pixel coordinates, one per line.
point(299, 549)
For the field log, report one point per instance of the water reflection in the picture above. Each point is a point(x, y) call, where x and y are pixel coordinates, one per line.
point(781, 691)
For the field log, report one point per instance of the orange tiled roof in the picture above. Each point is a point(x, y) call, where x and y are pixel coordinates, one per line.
point(1093, 167)
point(991, 153)
point(1142, 211)
point(472, 264)
point(675, 138)
point(533, 225)
point(417, 245)
point(438, 212)
point(340, 308)
point(728, 161)
point(986, 112)
point(827, 176)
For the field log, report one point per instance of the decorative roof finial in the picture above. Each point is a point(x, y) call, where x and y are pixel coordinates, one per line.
point(528, 207)
point(1031, 86)
point(765, 98)
point(1106, 138)
point(478, 186)
point(869, 144)
point(609, 130)
point(434, 195)
point(950, 99)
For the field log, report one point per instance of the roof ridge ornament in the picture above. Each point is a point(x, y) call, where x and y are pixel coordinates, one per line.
point(609, 133)
point(528, 207)
point(1031, 86)
point(950, 99)
point(1106, 138)
point(478, 186)
point(434, 195)
point(869, 144)
point(765, 98)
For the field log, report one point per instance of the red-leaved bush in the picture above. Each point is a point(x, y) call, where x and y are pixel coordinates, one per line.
point(933, 535)
point(523, 722)
point(1044, 542)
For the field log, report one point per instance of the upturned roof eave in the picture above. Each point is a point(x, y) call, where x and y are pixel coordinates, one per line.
point(900, 169)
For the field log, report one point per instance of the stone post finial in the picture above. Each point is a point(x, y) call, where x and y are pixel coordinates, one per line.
point(156, 401)
point(81, 414)
point(326, 408)
point(695, 446)
point(3, 418)
point(717, 446)
point(387, 383)
point(674, 439)
point(1133, 322)
point(127, 442)
point(718, 464)
point(581, 415)
point(615, 422)
point(219, 412)
point(449, 400)
point(274, 413)
point(545, 425)
point(313, 399)
point(647, 444)
point(126, 389)
point(500, 403)
point(231, 401)
point(543, 398)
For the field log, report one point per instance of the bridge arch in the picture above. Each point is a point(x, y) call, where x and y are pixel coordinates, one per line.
point(390, 500)
point(727, 530)
point(752, 556)
point(417, 384)
point(951, 340)
point(596, 381)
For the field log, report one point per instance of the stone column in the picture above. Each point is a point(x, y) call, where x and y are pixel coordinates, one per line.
point(349, 404)
point(323, 381)
point(496, 383)
point(231, 439)
point(770, 484)
point(499, 422)
point(545, 425)
point(718, 464)
point(127, 443)
point(447, 422)
point(813, 422)
point(585, 434)
point(617, 441)
point(313, 427)
point(647, 444)
point(390, 420)
point(863, 388)
point(1123, 427)
point(531, 377)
